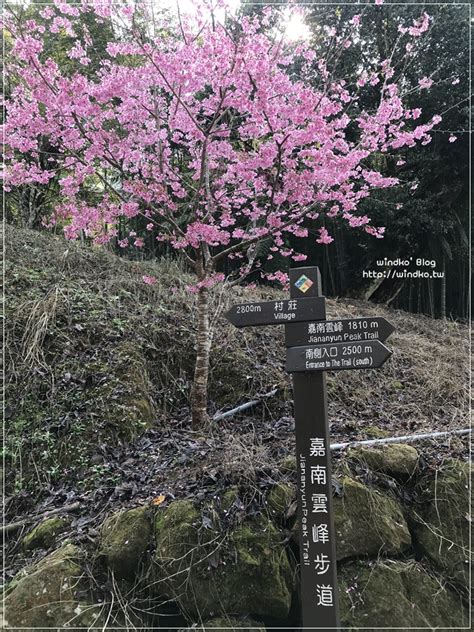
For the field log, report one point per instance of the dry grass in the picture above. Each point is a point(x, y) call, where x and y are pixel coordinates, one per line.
point(72, 310)
point(423, 386)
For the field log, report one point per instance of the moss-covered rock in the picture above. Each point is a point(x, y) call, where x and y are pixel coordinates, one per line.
point(401, 594)
point(443, 520)
point(261, 566)
point(177, 529)
point(375, 432)
point(398, 460)
point(210, 573)
point(367, 522)
point(45, 596)
point(280, 498)
point(125, 536)
point(44, 535)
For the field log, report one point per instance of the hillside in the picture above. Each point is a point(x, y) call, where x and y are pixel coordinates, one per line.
point(96, 354)
point(99, 367)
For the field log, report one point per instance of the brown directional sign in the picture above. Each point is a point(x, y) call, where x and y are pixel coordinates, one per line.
point(277, 312)
point(337, 357)
point(316, 345)
point(318, 568)
point(341, 330)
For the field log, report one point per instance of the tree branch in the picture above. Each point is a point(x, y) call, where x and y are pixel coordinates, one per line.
point(252, 240)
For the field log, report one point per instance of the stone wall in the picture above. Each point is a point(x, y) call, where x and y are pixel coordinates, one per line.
point(402, 548)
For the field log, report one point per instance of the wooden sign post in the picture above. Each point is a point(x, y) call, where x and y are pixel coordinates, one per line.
point(316, 345)
point(318, 571)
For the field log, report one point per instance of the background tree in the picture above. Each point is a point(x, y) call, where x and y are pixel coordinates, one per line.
point(215, 132)
point(427, 214)
point(31, 203)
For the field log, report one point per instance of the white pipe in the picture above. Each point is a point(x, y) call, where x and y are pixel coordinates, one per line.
point(234, 411)
point(340, 446)
point(427, 435)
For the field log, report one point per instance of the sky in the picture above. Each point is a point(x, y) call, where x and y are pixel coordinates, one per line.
point(295, 28)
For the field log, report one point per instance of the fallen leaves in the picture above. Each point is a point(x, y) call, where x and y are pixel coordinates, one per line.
point(158, 500)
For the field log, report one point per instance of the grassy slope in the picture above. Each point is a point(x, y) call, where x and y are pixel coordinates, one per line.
point(96, 356)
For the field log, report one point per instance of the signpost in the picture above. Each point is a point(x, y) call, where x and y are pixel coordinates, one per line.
point(342, 330)
point(276, 312)
point(318, 570)
point(316, 345)
point(337, 357)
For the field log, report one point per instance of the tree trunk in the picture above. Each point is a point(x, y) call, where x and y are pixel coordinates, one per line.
point(201, 370)
point(410, 298)
point(341, 260)
point(443, 290)
point(329, 269)
point(467, 292)
point(431, 298)
point(31, 199)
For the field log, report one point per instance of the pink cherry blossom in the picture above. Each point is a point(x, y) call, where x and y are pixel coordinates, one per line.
point(374, 79)
point(420, 26)
point(452, 138)
point(47, 13)
point(425, 82)
point(375, 232)
point(324, 237)
point(279, 276)
point(207, 283)
point(265, 153)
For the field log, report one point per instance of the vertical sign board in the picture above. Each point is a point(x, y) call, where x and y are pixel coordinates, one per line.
point(314, 346)
point(318, 571)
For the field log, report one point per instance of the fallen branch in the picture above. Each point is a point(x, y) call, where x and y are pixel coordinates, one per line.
point(418, 437)
point(242, 407)
point(13, 526)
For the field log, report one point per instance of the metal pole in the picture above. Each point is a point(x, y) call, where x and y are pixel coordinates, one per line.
point(402, 439)
point(318, 570)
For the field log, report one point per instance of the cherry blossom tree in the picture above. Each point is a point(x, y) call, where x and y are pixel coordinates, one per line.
point(217, 130)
